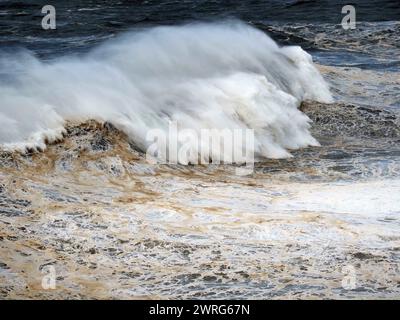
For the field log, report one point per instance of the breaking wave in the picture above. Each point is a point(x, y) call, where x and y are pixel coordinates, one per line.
point(200, 76)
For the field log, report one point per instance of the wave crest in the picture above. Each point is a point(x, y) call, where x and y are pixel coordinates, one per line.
point(203, 76)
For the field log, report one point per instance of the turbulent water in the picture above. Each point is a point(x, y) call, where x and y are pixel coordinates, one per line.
point(318, 217)
point(202, 76)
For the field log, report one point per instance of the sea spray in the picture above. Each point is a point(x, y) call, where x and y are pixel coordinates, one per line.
point(201, 76)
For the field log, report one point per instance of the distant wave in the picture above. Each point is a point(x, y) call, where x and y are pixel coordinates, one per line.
point(226, 75)
point(368, 39)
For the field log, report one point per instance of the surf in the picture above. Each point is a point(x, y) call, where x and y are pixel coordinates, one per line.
point(201, 76)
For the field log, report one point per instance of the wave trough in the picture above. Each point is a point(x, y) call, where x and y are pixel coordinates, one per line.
point(201, 76)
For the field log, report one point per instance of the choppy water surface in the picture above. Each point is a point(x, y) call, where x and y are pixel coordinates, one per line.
point(114, 226)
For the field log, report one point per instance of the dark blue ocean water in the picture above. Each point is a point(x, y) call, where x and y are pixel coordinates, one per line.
point(315, 25)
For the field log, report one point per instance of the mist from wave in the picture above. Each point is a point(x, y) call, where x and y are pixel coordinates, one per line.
point(201, 76)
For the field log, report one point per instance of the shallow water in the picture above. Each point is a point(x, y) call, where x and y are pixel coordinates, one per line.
point(113, 225)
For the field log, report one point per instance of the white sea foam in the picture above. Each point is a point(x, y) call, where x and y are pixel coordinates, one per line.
point(203, 76)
